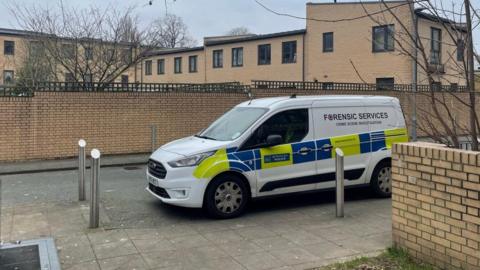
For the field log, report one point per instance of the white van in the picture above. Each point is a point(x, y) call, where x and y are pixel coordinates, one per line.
point(279, 145)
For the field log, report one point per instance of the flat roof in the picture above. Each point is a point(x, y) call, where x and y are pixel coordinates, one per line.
point(255, 37)
point(175, 50)
point(351, 2)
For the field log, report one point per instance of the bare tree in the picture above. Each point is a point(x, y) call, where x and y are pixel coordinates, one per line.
point(238, 31)
point(439, 119)
point(83, 46)
point(174, 32)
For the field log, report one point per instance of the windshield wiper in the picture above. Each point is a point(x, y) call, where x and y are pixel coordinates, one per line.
point(205, 137)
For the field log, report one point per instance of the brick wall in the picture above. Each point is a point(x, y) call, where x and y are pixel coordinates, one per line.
point(436, 204)
point(49, 124)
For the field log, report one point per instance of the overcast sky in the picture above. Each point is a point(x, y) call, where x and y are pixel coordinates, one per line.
point(207, 17)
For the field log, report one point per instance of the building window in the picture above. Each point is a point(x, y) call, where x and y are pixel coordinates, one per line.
point(8, 77)
point(160, 66)
point(88, 53)
point(436, 86)
point(109, 55)
point(237, 57)
point(88, 78)
point(68, 51)
point(148, 67)
point(435, 46)
point(328, 42)
point(177, 64)
point(192, 63)
point(69, 77)
point(9, 47)
point(36, 48)
point(385, 83)
point(126, 56)
point(289, 52)
point(382, 38)
point(460, 49)
point(264, 54)
point(217, 58)
point(124, 80)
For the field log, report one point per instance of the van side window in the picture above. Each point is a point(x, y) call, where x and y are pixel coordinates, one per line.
point(292, 125)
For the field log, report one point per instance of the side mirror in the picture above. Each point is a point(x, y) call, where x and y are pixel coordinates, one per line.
point(273, 140)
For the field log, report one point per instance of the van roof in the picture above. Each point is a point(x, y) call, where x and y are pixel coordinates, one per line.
point(274, 102)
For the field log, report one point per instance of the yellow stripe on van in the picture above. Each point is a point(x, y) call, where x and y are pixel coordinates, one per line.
point(350, 144)
point(276, 156)
point(213, 165)
point(397, 135)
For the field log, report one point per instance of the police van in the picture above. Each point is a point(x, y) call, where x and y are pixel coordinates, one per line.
point(273, 146)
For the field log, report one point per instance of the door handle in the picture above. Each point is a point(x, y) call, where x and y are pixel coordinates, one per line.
point(304, 151)
point(326, 147)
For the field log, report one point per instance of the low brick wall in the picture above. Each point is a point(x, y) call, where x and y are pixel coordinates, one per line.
point(436, 204)
point(49, 124)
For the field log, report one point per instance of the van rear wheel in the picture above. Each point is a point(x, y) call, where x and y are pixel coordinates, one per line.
point(381, 182)
point(226, 197)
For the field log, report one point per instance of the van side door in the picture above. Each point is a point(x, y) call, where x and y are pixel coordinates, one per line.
point(284, 167)
point(338, 124)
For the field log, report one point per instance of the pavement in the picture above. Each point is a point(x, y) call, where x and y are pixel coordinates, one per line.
point(32, 166)
point(139, 232)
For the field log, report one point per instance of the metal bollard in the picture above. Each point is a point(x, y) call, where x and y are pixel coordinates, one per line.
point(94, 208)
point(340, 189)
point(81, 170)
point(154, 137)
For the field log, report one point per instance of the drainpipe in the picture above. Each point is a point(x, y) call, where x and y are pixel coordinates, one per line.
point(303, 57)
point(413, 131)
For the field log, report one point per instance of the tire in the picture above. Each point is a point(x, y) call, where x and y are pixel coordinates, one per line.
point(226, 197)
point(381, 181)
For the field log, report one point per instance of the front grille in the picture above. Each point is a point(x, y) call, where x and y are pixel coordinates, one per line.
point(159, 191)
point(156, 169)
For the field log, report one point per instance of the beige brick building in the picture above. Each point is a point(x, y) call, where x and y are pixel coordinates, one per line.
point(342, 42)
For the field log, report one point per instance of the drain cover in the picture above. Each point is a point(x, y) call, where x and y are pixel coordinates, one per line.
point(25, 257)
point(29, 255)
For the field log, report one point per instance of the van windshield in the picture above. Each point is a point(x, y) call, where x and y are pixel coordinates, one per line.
point(232, 124)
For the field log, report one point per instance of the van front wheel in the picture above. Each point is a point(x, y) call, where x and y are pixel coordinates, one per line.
point(226, 197)
point(381, 181)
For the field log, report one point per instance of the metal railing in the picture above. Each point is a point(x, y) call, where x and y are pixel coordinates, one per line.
point(138, 87)
point(312, 85)
point(15, 91)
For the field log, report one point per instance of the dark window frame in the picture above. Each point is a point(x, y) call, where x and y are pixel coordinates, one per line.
point(268, 54)
point(217, 58)
point(68, 50)
point(236, 52)
point(69, 77)
point(433, 60)
point(160, 66)
point(193, 58)
point(387, 29)
point(122, 80)
point(13, 76)
point(148, 67)
point(88, 53)
point(179, 61)
point(246, 146)
point(460, 50)
point(292, 51)
point(385, 86)
point(11, 45)
point(326, 48)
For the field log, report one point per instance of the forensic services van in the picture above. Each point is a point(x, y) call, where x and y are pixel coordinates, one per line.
point(273, 146)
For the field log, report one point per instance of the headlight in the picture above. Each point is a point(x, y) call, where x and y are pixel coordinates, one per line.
point(191, 160)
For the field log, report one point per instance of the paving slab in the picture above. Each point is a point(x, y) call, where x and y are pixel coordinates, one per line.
point(139, 232)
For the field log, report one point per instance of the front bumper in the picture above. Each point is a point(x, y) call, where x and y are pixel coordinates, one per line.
point(186, 191)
